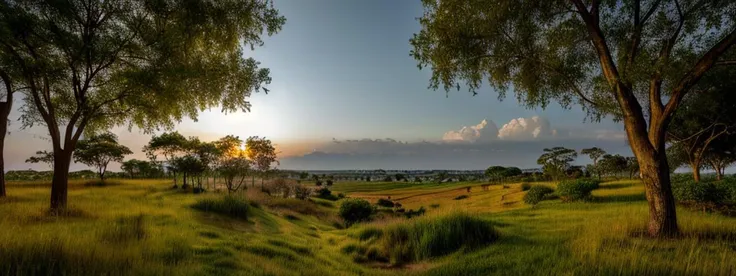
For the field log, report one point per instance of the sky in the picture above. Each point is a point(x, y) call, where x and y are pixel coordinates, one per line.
point(346, 95)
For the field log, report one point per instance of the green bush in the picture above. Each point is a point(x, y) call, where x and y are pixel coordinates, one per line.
point(354, 210)
point(385, 203)
point(536, 194)
point(232, 206)
point(325, 193)
point(578, 189)
point(525, 186)
point(728, 188)
point(718, 192)
point(426, 238)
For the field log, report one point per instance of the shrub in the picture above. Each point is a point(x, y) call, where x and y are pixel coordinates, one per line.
point(579, 189)
point(461, 197)
point(433, 237)
point(318, 183)
point(325, 193)
point(700, 192)
point(302, 192)
point(525, 186)
point(329, 182)
point(232, 206)
point(536, 194)
point(385, 203)
point(354, 210)
point(411, 213)
point(728, 186)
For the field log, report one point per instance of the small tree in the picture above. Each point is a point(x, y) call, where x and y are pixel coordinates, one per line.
point(556, 161)
point(594, 153)
point(170, 145)
point(99, 150)
point(262, 153)
point(613, 164)
point(495, 172)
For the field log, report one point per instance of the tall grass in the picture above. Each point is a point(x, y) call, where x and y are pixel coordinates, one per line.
point(428, 237)
point(235, 206)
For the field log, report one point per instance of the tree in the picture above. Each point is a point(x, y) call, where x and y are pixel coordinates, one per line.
point(99, 150)
point(495, 172)
point(234, 170)
point(632, 166)
point(512, 171)
point(7, 89)
point(262, 153)
point(556, 161)
point(702, 119)
point(612, 164)
point(594, 153)
point(91, 65)
point(169, 144)
point(42, 156)
point(720, 154)
point(630, 59)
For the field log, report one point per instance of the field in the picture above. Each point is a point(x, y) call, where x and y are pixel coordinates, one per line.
point(142, 227)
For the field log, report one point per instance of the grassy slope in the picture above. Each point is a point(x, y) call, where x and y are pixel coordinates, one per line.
point(280, 239)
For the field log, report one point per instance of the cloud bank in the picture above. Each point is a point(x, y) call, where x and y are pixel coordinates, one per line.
point(519, 129)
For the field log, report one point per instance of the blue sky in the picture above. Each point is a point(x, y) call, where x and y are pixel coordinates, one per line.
point(341, 70)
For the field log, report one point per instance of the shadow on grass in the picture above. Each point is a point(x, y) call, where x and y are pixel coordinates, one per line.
point(620, 198)
point(616, 186)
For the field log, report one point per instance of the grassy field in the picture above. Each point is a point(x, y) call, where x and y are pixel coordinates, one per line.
point(142, 227)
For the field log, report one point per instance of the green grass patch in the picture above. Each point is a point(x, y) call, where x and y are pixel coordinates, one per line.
point(229, 205)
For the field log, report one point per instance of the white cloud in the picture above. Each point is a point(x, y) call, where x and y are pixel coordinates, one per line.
point(533, 128)
point(482, 132)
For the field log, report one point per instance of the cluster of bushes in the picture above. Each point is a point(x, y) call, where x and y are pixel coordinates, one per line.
point(387, 203)
point(422, 239)
point(229, 205)
point(578, 189)
point(536, 194)
point(706, 194)
point(325, 193)
point(354, 210)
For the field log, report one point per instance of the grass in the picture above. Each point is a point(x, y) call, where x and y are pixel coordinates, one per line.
point(229, 205)
point(142, 227)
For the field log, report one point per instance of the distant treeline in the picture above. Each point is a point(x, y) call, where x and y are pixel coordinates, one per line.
point(31, 175)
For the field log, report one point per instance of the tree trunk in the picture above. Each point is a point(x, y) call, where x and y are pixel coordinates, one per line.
point(656, 177)
point(696, 172)
point(3, 130)
point(60, 180)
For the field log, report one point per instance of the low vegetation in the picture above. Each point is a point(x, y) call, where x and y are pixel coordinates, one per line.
point(355, 210)
point(578, 189)
point(229, 205)
point(424, 238)
point(536, 194)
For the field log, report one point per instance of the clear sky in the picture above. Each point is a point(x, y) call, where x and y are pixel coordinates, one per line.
point(341, 70)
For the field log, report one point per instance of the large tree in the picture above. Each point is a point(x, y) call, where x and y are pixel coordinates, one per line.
point(634, 60)
point(555, 161)
point(594, 153)
point(702, 119)
point(99, 150)
point(91, 64)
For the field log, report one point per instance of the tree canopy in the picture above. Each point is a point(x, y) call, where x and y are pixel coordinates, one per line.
point(634, 60)
point(92, 65)
point(99, 150)
point(555, 161)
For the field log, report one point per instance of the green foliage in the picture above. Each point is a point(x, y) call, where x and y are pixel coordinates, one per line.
point(99, 150)
point(42, 156)
point(426, 238)
point(555, 161)
point(353, 210)
point(229, 205)
point(579, 189)
point(325, 193)
point(261, 152)
point(612, 164)
point(385, 203)
point(525, 186)
point(141, 169)
point(536, 194)
point(415, 213)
